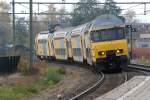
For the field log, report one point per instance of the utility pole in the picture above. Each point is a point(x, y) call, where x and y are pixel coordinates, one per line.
point(129, 27)
point(144, 8)
point(14, 32)
point(131, 44)
point(31, 37)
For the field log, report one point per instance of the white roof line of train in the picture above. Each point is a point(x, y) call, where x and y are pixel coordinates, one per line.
point(44, 32)
point(60, 34)
point(43, 36)
point(79, 29)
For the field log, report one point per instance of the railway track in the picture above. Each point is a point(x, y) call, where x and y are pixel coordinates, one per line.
point(86, 95)
point(99, 83)
point(101, 78)
point(102, 83)
point(139, 67)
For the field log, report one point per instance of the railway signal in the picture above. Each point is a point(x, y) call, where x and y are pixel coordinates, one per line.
point(131, 30)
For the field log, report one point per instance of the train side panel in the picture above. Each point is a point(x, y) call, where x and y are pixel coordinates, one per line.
point(42, 47)
point(77, 48)
point(78, 43)
point(60, 45)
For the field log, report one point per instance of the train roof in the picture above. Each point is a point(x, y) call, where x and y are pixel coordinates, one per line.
point(106, 21)
point(66, 29)
point(44, 32)
point(43, 35)
point(79, 29)
point(62, 32)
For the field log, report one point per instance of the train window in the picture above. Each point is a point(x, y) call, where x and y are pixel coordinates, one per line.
point(42, 41)
point(110, 34)
point(60, 51)
point(95, 36)
point(77, 51)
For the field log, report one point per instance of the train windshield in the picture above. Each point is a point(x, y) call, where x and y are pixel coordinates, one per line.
point(109, 34)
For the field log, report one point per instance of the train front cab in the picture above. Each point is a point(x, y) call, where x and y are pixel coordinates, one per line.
point(109, 48)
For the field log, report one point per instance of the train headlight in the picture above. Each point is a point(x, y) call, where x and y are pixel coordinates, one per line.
point(119, 51)
point(101, 53)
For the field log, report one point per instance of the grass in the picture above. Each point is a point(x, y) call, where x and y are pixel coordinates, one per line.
point(51, 76)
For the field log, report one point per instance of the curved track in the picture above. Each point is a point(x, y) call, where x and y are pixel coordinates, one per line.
point(101, 78)
point(93, 90)
point(102, 84)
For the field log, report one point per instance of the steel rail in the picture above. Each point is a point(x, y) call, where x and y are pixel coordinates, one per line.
point(140, 67)
point(97, 84)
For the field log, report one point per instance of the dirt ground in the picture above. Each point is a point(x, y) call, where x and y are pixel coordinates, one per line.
point(16, 78)
point(76, 80)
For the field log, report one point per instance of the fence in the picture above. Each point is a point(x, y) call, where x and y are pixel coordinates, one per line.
point(9, 64)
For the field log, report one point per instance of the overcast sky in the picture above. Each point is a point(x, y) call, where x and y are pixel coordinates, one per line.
point(138, 9)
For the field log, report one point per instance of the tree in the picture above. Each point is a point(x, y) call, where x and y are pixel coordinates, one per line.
point(22, 35)
point(38, 24)
point(52, 18)
point(111, 8)
point(63, 20)
point(85, 12)
point(5, 26)
point(129, 16)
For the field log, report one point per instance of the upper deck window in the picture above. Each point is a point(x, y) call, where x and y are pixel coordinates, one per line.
point(109, 34)
point(42, 41)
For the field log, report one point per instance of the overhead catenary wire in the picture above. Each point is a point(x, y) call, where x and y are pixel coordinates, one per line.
point(46, 3)
point(81, 3)
point(133, 6)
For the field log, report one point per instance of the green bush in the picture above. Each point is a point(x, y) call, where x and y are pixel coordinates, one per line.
point(52, 78)
point(61, 71)
point(7, 93)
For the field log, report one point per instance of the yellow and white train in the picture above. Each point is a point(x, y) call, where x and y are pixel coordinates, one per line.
point(101, 43)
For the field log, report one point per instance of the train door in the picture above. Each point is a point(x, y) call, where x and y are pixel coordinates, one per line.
point(36, 46)
point(88, 48)
point(69, 49)
point(66, 54)
point(45, 47)
point(83, 49)
point(50, 47)
point(40, 49)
